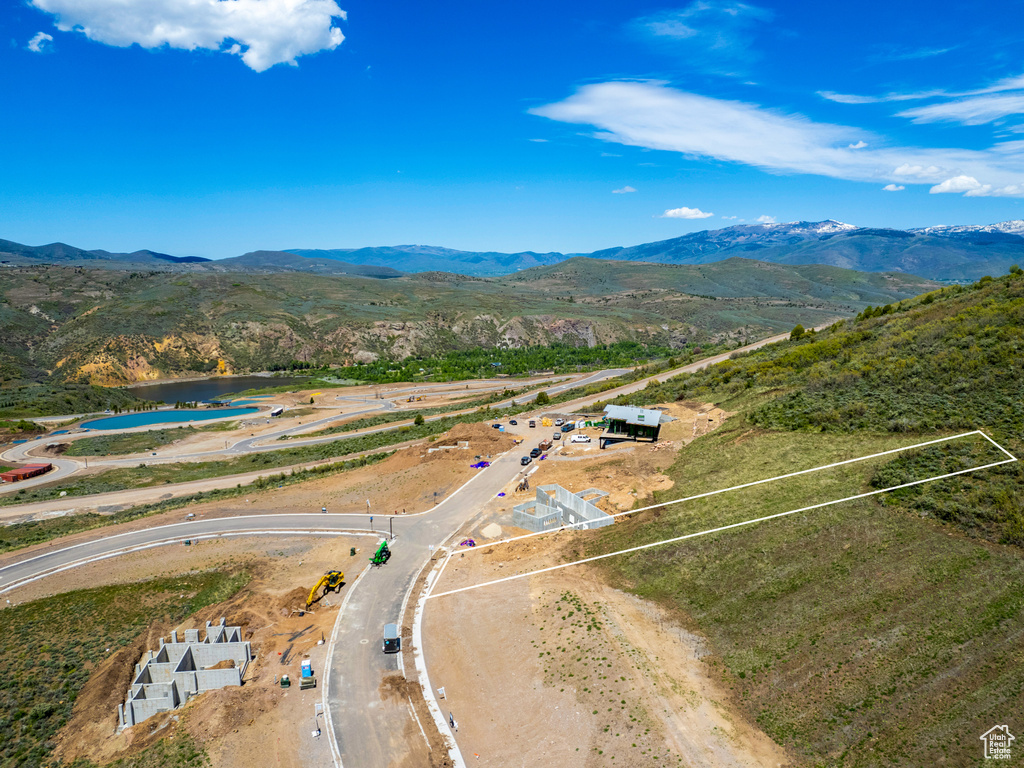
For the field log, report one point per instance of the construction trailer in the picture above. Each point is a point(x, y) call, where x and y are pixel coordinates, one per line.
point(25, 472)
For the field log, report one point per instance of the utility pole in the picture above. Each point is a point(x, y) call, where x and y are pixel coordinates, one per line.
point(391, 523)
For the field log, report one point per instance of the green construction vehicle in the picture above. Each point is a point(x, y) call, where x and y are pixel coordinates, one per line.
point(381, 555)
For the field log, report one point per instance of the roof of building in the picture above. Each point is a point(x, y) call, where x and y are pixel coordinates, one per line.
point(633, 415)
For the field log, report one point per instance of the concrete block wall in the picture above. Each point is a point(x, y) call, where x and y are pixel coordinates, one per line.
point(555, 506)
point(169, 675)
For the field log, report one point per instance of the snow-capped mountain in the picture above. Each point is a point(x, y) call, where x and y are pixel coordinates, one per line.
point(1013, 227)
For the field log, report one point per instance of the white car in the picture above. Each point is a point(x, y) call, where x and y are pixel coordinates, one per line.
point(580, 439)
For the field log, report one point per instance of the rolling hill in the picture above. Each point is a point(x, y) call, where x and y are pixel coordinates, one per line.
point(875, 631)
point(115, 327)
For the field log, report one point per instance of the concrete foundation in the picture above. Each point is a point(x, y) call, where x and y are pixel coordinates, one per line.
point(166, 678)
point(555, 507)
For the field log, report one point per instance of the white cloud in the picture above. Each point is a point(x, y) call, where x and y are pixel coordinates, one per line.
point(893, 188)
point(973, 107)
point(956, 184)
point(858, 145)
point(654, 116)
point(976, 110)
point(729, 217)
point(262, 32)
point(909, 54)
point(711, 36)
point(685, 213)
point(539, 141)
point(40, 43)
point(765, 219)
point(1010, 190)
point(625, 190)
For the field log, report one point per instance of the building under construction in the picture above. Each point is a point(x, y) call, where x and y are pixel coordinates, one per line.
point(626, 422)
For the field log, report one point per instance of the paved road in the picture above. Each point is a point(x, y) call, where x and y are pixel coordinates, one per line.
point(61, 557)
point(370, 733)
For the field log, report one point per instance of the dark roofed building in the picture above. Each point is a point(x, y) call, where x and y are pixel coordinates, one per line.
point(627, 422)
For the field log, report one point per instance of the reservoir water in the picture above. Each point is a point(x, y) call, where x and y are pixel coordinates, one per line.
point(209, 389)
point(146, 418)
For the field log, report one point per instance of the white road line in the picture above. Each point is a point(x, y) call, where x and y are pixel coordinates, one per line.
point(722, 528)
point(412, 709)
point(755, 482)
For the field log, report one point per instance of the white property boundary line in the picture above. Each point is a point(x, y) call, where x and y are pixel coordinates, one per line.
point(748, 485)
point(1010, 460)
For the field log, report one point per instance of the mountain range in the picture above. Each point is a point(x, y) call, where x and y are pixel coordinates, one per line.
point(954, 252)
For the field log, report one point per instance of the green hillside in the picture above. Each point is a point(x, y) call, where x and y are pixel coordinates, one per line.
point(881, 631)
point(81, 325)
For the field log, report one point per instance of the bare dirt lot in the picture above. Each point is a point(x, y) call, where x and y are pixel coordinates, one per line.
point(562, 670)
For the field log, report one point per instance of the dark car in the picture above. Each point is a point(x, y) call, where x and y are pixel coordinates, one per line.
point(525, 460)
point(535, 453)
point(513, 422)
point(495, 426)
point(392, 639)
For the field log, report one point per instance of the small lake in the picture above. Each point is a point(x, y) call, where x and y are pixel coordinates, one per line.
point(146, 418)
point(209, 389)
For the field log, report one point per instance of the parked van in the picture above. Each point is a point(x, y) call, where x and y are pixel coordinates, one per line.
point(392, 639)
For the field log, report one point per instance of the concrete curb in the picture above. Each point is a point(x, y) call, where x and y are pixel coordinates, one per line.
point(421, 667)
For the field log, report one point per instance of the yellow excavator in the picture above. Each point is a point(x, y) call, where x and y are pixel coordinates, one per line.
point(330, 580)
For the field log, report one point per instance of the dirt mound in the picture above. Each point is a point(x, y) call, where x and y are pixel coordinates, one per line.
point(479, 436)
point(226, 664)
point(289, 601)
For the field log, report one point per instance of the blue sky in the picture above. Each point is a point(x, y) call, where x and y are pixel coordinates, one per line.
point(210, 128)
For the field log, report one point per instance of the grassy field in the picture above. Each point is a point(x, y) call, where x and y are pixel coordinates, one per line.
point(883, 631)
point(855, 634)
point(49, 647)
point(132, 442)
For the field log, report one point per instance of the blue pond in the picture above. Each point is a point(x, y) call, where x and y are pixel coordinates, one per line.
point(145, 418)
